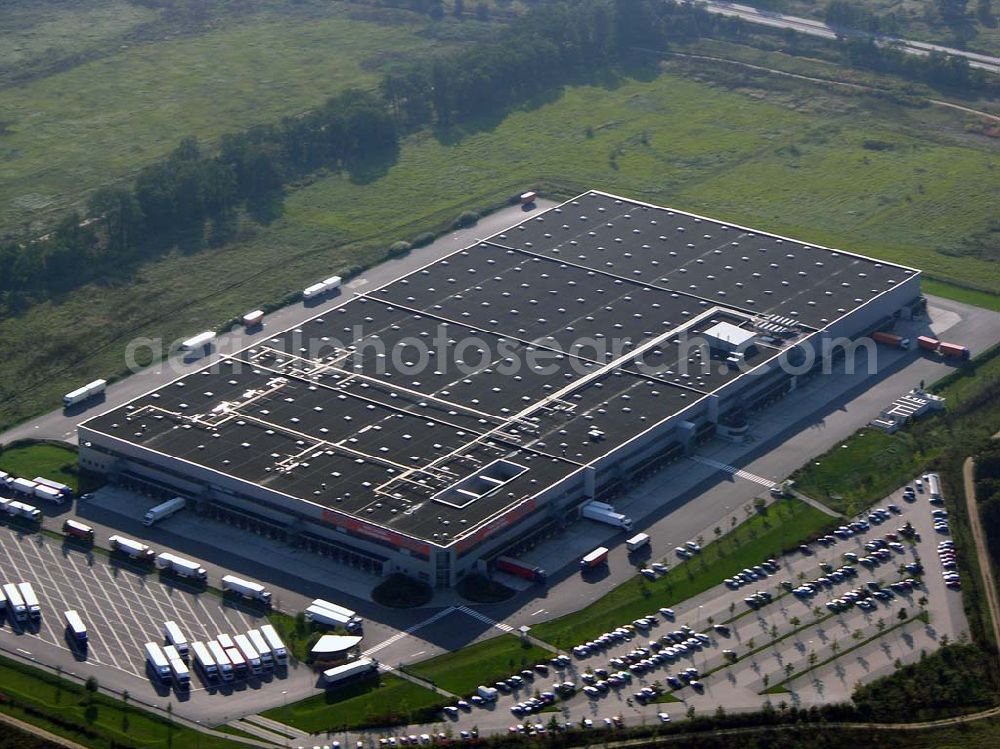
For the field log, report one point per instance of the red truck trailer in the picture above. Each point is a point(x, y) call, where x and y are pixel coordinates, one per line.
point(927, 343)
point(890, 339)
point(953, 351)
point(595, 558)
point(515, 567)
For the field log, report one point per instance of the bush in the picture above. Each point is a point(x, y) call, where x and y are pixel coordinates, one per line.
point(952, 680)
point(398, 249)
point(468, 218)
point(402, 592)
point(422, 240)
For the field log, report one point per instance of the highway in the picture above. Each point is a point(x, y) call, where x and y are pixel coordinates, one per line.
point(818, 28)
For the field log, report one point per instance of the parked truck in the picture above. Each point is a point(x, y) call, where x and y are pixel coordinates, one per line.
point(136, 550)
point(520, 569)
point(246, 589)
point(527, 198)
point(23, 510)
point(249, 653)
point(490, 694)
point(158, 662)
point(23, 486)
point(240, 667)
point(354, 670)
point(947, 350)
point(637, 541)
point(173, 635)
point(891, 339)
point(278, 649)
point(181, 567)
point(223, 666)
point(30, 600)
point(262, 648)
point(199, 342)
point(953, 351)
point(605, 513)
point(48, 494)
point(594, 559)
point(311, 292)
point(331, 284)
point(334, 615)
point(178, 668)
point(64, 491)
point(81, 394)
point(934, 485)
point(76, 629)
point(203, 657)
point(253, 319)
point(164, 510)
point(15, 604)
point(75, 529)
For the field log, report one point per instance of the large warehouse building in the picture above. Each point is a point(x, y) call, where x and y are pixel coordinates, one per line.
point(478, 402)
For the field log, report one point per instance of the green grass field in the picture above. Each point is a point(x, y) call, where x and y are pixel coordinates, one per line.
point(388, 701)
point(781, 526)
point(790, 164)
point(49, 461)
point(71, 131)
point(67, 709)
point(483, 662)
point(868, 465)
point(961, 294)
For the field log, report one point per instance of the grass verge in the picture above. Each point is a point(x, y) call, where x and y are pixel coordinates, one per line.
point(483, 662)
point(779, 526)
point(386, 701)
point(870, 464)
point(975, 297)
point(92, 719)
point(39, 459)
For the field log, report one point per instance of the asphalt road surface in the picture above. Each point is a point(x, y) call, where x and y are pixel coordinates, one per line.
point(818, 28)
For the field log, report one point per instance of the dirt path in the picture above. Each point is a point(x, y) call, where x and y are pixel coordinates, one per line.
point(985, 566)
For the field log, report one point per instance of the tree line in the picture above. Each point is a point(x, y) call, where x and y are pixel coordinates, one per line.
point(177, 198)
point(192, 197)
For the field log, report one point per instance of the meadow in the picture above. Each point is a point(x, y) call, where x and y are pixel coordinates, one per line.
point(68, 131)
point(896, 182)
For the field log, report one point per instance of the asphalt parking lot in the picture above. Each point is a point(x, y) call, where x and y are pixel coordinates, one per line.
point(787, 642)
point(123, 607)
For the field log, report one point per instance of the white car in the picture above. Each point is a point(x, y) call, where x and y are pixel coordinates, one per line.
point(664, 718)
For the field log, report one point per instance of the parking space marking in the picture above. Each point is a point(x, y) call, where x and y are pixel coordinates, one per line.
point(99, 610)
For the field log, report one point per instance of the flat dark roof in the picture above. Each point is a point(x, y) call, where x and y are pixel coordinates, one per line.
point(547, 346)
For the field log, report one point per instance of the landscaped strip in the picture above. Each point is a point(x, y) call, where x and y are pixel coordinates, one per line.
point(769, 532)
point(91, 718)
point(386, 701)
point(483, 662)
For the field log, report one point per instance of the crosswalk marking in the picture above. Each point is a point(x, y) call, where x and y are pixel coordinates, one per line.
point(408, 631)
point(733, 470)
point(485, 619)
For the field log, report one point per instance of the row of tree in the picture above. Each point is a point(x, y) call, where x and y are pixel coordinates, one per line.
point(176, 198)
point(190, 190)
